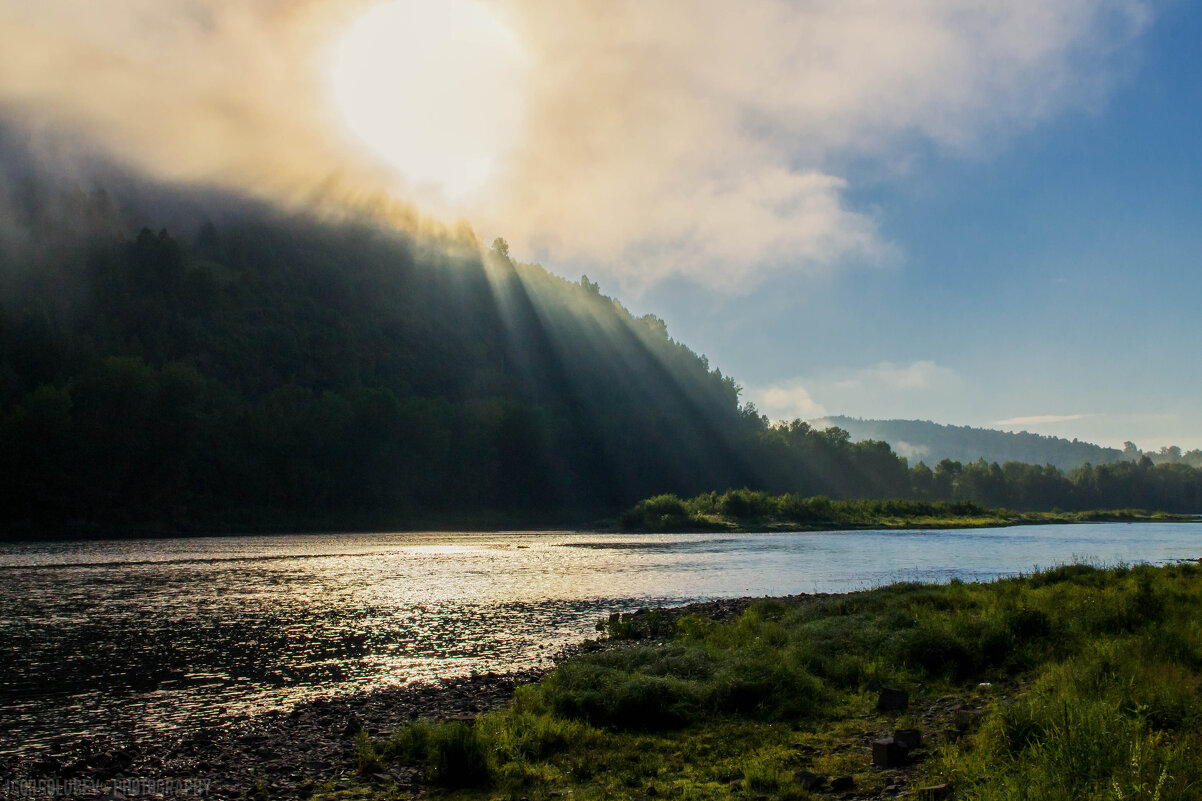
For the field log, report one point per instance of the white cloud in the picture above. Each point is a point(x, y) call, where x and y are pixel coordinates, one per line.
point(889, 376)
point(884, 390)
point(1039, 419)
point(701, 138)
point(786, 401)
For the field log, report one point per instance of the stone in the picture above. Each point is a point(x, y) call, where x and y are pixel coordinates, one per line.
point(934, 792)
point(910, 738)
point(891, 699)
point(807, 780)
point(843, 784)
point(888, 753)
point(965, 718)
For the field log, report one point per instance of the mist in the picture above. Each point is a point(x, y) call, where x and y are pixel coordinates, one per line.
point(661, 139)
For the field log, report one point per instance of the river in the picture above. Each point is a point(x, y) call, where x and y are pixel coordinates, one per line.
point(139, 639)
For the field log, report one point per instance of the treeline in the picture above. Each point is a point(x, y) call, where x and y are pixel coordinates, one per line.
point(797, 458)
point(1173, 487)
point(745, 506)
point(746, 509)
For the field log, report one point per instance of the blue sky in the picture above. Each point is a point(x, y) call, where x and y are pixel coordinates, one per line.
point(1056, 273)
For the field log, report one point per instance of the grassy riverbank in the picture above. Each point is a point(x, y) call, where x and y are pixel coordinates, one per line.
point(732, 511)
point(749, 510)
point(1073, 684)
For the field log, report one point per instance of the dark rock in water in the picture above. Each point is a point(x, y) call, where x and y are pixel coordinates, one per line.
point(807, 780)
point(888, 753)
point(891, 699)
point(910, 738)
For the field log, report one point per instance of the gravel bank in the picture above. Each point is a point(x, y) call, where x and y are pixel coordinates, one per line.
point(281, 755)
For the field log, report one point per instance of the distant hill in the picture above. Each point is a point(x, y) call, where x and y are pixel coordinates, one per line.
point(925, 441)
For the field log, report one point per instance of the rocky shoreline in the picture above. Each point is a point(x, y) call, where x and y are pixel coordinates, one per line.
point(284, 755)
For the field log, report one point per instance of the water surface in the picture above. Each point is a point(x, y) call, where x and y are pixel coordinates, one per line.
point(141, 639)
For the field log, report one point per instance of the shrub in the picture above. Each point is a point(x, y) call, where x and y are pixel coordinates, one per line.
point(934, 651)
point(660, 513)
point(746, 504)
point(453, 753)
point(1028, 624)
point(456, 757)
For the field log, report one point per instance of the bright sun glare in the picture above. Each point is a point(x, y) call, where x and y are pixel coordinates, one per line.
point(433, 87)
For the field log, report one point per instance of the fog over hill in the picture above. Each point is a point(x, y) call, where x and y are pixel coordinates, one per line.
point(929, 442)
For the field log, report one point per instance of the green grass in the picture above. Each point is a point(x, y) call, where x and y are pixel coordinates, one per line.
point(752, 510)
point(1086, 683)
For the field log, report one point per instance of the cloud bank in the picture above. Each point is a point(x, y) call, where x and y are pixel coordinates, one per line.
point(670, 138)
point(704, 139)
point(883, 390)
point(1040, 419)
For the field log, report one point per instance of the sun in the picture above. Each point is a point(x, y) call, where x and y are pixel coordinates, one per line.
point(435, 88)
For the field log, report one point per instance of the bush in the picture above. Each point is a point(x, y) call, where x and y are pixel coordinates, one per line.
point(746, 504)
point(934, 651)
point(453, 753)
point(660, 513)
point(456, 757)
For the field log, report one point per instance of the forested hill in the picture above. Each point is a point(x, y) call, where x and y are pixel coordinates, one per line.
point(176, 360)
point(922, 440)
point(278, 367)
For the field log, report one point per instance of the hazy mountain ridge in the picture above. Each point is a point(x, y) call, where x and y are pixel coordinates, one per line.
point(930, 442)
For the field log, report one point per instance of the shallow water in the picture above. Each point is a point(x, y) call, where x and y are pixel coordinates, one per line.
point(138, 639)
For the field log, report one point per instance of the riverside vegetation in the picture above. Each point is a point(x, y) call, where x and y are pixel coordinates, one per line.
point(745, 510)
point(1074, 684)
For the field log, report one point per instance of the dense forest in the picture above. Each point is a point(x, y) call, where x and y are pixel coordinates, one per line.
point(249, 368)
